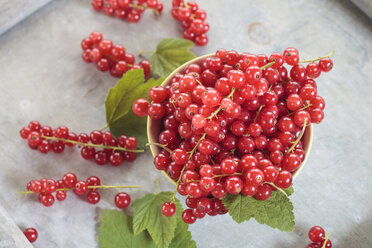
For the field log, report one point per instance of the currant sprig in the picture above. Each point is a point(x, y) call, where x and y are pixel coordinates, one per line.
point(192, 19)
point(114, 148)
point(130, 10)
point(102, 147)
point(110, 57)
point(45, 188)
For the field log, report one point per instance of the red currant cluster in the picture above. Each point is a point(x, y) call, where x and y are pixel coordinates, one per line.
point(31, 234)
point(317, 236)
point(192, 19)
point(127, 9)
point(102, 147)
point(233, 124)
point(46, 187)
point(110, 57)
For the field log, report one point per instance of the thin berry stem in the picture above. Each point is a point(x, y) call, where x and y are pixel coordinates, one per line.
point(174, 105)
point(299, 137)
point(214, 113)
point(195, 147)
point(267, 65)
point(260, 108)
point(281, 190)
point(258, 112)
point(326, 239)
point(313, 60)
point(219, 108)
point(160, 145)
point(226, 175)
point(197, 80)
point(91, 145)
point(185, 3)
point(303, 108)
point(136, 6)
point(89, 187)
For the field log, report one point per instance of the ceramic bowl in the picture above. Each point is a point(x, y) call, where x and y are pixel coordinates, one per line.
point(154, 126)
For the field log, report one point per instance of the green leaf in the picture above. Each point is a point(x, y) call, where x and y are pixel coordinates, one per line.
point(119, 115)
point(182, 237)
point(116, 231)
point(169, 55)
point(276, 212)
point(147, 215)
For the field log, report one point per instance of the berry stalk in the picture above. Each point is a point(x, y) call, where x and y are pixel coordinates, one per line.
point(299, 137)
point(319, 58)
point(91, 145)
point(89, 187)
point(326, 240)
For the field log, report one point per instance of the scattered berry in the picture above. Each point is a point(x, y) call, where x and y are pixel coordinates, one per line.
point(31, 234)
point(122, 200)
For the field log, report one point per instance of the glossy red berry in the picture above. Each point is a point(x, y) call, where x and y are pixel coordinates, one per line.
point(316, 234)
point(81, 188)
point(188, 216)
point(69, 180)
point(233, 185)
point(168, 209)
point(93, 197)
point(122, 200)
point(31, 234)
point(263, 192)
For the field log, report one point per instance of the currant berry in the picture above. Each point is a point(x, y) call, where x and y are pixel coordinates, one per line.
point(233, 185)
point(31, 234)
point(263, 192)
point(188, 216)
point(122, 200)
point(254, 177)
point(61, 195)
point(81, 188)
point(316, 234)
point(168, 209)
point(284, 179)
point(69, 180)
point(325, 64)
point(93, 197)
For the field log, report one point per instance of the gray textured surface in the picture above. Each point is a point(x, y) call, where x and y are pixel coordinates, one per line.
point(13, 11)
point(42, 77)
point(10, 234)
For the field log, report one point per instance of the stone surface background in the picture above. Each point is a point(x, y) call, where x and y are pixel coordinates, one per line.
point(42, 77)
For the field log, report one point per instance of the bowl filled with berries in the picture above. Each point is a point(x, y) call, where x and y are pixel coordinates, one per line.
point(231, 123)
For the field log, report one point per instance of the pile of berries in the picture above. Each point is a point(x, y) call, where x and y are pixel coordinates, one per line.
point(127, 9)
point(233, 124)
point(101, 147)
point(31, 234)
point(318, 237)
point(46, 187)
point(193, 21)
point(110, 57)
